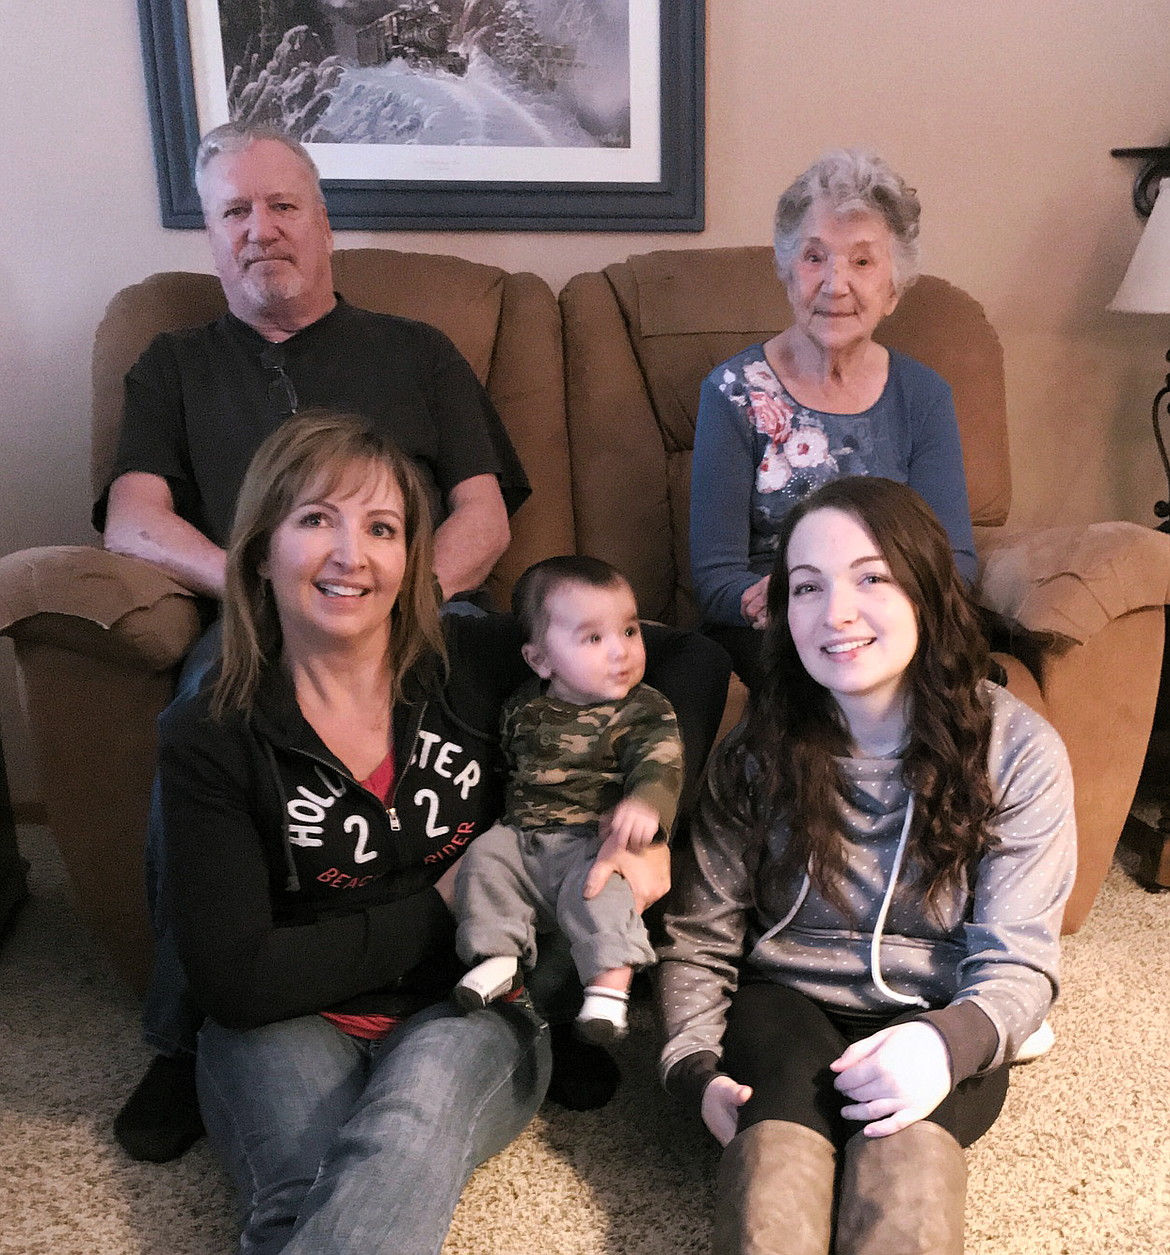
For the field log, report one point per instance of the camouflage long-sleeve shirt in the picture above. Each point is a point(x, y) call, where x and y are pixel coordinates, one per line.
point(570, 764)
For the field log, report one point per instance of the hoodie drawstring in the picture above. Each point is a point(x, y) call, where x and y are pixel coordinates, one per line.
point(875, 966)
point(800, 897)
point(875, 963)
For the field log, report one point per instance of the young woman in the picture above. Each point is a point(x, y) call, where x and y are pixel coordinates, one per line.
point(316, 798)
point(866, 923)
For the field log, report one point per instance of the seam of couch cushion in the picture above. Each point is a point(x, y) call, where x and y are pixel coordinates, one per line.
point(674, 301)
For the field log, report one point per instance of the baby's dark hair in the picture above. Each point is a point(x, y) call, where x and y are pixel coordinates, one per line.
point(532, 591)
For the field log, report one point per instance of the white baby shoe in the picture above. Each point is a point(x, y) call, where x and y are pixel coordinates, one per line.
point(602, 1018)
point(488, 981)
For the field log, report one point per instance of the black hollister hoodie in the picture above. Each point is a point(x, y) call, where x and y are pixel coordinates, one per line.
point(295, 890)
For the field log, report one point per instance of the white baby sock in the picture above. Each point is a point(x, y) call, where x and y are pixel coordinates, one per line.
point(602, 1017)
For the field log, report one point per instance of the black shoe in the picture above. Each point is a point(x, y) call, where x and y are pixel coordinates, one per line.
point(584, 1076)
point(161, 1117)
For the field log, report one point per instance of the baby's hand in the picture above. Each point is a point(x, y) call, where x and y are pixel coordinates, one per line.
point(632, 822)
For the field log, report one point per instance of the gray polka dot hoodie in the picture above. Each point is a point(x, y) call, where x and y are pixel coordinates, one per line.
point(996, 945)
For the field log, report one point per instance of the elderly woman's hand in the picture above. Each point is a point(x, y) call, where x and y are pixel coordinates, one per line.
point(753, 605)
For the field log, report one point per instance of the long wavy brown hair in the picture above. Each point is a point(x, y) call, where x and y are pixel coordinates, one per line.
point(315, 450)
point(788, 751)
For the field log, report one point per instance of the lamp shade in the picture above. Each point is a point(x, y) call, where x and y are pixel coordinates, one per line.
point(1146, 286)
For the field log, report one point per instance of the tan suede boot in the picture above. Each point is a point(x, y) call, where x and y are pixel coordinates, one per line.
point(902, 1195)
point(774, 1192)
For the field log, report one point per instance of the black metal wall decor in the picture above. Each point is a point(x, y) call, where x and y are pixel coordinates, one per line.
point(1155, 168)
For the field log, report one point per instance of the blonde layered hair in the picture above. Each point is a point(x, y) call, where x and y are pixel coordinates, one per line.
point(315, 450)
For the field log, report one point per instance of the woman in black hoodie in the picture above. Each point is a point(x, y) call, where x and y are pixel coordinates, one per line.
point(317, 794)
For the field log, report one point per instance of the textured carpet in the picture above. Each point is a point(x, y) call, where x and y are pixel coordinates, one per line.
point(1079, 1162)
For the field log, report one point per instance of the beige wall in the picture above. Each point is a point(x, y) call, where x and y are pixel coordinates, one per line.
point(1001, 112)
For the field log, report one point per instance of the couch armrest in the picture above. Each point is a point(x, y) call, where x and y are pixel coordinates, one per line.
point(1072, 582)
point(95, 601)
point(97, 637)
point(1090, 595)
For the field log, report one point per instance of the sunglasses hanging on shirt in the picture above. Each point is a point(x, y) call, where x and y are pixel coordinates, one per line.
point(282, 396)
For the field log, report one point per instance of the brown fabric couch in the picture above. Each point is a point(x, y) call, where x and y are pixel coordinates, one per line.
point(639, 338)
point(98, 636)
point(607, 444)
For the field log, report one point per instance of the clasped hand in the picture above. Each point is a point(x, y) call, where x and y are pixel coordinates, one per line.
point(627, 848)
point(753, 605)
point(894, 1077)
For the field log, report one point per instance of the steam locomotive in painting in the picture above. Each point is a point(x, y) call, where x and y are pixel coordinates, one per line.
point(419, 34)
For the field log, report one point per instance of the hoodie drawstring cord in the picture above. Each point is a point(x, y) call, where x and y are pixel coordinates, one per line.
point(875, 966)
point(875, 963)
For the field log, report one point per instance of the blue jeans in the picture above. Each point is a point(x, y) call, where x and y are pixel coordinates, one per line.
point(362, 1148)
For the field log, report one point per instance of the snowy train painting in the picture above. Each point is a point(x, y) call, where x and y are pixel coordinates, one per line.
point(481, 73)
point(445, 114)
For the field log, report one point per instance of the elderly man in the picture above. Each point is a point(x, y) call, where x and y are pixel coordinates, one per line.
point(200, 402)
point(198, 405)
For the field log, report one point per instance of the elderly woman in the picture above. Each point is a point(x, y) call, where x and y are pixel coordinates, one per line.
point(820, 399)
point(316, 799)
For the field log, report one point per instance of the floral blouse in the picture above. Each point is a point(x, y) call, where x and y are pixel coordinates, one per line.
point(758, 452)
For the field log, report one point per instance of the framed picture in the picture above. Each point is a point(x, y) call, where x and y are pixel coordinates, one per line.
point(510, 115)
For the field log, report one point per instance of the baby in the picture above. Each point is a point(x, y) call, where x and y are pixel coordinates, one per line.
point(592, 753)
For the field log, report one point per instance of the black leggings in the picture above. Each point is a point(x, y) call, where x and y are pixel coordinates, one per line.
point(781, 1043)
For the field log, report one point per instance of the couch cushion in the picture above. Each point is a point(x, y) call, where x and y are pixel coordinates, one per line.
point(461, 298)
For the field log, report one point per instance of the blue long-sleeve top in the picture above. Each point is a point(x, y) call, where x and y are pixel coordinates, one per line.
point(758, 452)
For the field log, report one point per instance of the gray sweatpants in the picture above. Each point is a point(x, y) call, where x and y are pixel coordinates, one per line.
point(513, 884)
